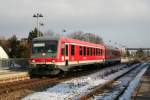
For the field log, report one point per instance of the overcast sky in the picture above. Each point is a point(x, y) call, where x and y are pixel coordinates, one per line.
point(126, 22)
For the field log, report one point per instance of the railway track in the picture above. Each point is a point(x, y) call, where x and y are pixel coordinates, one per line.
point(83, 87)
point(114, 92)
point(18, 89)
point(100, 88)
point(7, 89)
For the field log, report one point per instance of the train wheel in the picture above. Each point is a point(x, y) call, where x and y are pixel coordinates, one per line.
point(55, 72)
point(62, 74)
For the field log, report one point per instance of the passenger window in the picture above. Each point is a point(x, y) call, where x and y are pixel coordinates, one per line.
point(63, 51)
point(66, 50)
point(80, 50)
point(84, 51)
point(91, 51)
point(88, 51)
point(72, 50)
point(101, 52)
point(94, 51)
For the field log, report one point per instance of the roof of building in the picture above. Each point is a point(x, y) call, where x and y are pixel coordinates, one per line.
point(3, 54)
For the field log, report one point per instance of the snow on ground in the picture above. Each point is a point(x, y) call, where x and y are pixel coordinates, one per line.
point(132, 86)
point(77, 87)
point(121, 84)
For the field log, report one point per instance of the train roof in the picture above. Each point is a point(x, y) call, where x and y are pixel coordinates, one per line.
point(74, 41)
point(45, 38)
point(68, 40)
point(84, 43)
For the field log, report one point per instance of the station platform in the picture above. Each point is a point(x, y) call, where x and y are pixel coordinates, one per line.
point(143, 91)
point(7, 75)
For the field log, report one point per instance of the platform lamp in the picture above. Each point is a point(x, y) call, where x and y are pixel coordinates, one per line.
point(38, 15)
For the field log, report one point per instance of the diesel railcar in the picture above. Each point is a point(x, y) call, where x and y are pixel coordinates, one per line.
point(52, 55)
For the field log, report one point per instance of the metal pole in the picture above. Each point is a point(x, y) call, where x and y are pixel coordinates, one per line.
point(37, 25)
point(37, 16)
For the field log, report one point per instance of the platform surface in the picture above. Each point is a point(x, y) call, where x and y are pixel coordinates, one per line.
point(143, 92)
point(6, 73)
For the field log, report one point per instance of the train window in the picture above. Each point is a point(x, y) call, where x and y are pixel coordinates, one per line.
point(101, 52)
point(88, 51)
point(94, 52)
point(80, 50)
point(66, 50)
point(63, 51)
point(84, 51)
point(72, 50)
point(91, 51)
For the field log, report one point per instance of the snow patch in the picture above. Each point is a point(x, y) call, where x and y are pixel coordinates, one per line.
point(132, 86)
point(75, 88)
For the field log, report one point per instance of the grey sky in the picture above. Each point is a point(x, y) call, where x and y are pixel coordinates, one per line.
point(123, 21)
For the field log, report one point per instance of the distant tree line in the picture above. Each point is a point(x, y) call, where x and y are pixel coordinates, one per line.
point(137, 54)
point(89, 37)
point(16, 48)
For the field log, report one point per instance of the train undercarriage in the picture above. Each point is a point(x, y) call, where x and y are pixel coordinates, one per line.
point(52, 69)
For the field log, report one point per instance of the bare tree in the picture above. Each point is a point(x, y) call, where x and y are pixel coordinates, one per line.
point(52, 34)
point(89, 37)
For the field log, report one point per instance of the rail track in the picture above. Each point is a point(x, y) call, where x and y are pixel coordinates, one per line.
point(18, 89)
point(109, 86)
point(7, 89)
point(83, 87)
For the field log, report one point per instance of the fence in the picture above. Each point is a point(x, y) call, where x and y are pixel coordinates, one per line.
point(14, 63)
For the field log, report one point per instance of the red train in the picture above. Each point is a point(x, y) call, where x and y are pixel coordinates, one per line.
point(52, 55)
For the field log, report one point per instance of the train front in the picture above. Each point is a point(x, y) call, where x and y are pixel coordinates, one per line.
point(43, 56)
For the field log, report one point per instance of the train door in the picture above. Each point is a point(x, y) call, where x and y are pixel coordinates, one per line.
point(66, 54)
point(72, 53)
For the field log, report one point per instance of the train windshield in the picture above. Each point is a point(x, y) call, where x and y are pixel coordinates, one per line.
point(45, 48)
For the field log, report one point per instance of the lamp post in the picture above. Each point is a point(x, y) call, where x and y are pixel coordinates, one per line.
point(63, 31)
point(37, 16)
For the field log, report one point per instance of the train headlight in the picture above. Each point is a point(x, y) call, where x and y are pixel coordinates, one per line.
point(33, 60)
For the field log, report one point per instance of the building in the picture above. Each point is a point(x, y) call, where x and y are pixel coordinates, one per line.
point(3, 54)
